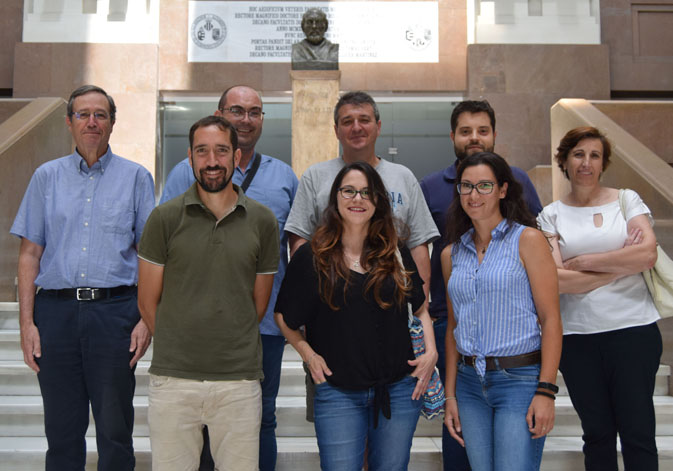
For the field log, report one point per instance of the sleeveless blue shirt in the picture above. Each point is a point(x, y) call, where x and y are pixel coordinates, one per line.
point(492, 301)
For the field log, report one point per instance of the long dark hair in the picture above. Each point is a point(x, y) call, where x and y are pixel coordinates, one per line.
point(512, 206)
point(379, 249)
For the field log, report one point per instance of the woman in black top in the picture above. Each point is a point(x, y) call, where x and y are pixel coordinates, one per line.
point(350, 290)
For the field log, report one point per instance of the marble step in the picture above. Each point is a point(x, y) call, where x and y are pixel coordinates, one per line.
point(9, 315)
point(17, 379)
point(23, 416)
point(301, 454)
point(292, 378)
point(10, 343)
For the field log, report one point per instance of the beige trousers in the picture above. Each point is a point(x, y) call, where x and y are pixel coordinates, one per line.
point(178, 410)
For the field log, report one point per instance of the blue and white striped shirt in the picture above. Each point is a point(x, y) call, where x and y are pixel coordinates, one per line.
point(492, 301)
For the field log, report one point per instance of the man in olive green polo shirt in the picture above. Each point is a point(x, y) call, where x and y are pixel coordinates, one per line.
point(207, 260)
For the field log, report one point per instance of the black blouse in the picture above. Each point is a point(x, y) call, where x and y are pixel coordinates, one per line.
point(364, 346)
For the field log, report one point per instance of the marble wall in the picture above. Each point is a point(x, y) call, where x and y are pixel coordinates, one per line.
point(33, 135)
point(649, 122)
point(640, 37)
point(175, 73)
point(128, 72)
point(523, 81)
point(11, 25)
point(9, 106)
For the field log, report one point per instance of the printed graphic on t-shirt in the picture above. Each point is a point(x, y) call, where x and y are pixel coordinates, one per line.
point(396, 199)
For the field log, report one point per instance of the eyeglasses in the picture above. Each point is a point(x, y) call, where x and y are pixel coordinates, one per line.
point(483, 188)
point(240, 112)
point(219, 151)
point(348, 193)
point(85, 115)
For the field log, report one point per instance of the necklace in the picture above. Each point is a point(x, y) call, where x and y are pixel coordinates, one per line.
point(355, 262)
point(483, 249)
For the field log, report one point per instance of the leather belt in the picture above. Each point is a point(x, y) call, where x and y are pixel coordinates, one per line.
point(498, 363)
point(91, 294)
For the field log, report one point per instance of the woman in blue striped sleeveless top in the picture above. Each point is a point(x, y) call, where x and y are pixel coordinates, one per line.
point(504, 327)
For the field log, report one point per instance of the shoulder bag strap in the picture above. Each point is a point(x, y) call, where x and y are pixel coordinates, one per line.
point(622, 205)
point(251, 174)
point(398, 255)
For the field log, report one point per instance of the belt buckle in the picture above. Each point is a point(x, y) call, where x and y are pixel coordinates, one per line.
point(85, 294)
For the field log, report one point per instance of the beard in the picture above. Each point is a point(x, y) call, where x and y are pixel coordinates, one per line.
point(315, 37)
point(209, 185)
point(462, 153)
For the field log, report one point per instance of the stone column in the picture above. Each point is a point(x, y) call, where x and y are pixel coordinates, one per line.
point(314, 94)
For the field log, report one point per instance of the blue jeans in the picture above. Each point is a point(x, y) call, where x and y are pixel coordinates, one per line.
point(493, 417)
point(344, 421)
point(454, 455)
point(273, 346)
point(85, 358)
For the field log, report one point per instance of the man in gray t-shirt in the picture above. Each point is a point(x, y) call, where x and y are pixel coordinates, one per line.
point(357, 125)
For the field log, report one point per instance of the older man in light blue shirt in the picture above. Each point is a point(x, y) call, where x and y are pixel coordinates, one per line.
point(79, 223)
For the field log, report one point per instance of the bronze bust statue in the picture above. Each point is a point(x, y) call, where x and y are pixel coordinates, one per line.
point(315, 52)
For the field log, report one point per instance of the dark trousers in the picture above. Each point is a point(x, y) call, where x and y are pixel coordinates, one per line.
point(85, 359)
point(610, 378)
point(272, 349)
point(453, 454)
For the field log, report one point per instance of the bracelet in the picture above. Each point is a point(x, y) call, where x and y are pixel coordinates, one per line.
point(308, 363)
point(550, 386)
point(450, 398)
point(545, 394)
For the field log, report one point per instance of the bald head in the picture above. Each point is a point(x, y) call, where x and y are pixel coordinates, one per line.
point(242, 107)
point(223, 99)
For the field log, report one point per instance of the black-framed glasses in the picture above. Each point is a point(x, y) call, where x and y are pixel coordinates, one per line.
point(85, 115)
point(348, 193)
point(239, 112)
point(483, 187)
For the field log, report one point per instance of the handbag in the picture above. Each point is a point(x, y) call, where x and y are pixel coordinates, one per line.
point(433, 399)
point(659, 279)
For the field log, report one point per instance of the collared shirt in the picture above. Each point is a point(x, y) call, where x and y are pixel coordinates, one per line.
point(439, 191)
point(89, 220)
point(206, 325)
point(275, 186)
point(492, 301)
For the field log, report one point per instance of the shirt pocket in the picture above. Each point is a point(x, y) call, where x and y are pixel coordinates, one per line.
point(117, 218)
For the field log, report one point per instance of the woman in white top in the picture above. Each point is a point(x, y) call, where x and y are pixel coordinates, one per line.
point(611, 342)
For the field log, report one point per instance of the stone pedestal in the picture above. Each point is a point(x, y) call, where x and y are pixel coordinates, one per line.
point(314, 94)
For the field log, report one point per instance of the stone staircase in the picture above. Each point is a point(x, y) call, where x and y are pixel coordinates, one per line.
point(22, 443)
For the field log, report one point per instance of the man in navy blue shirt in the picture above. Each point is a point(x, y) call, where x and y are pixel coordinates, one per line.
point(472, 131)
point(79, 223)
